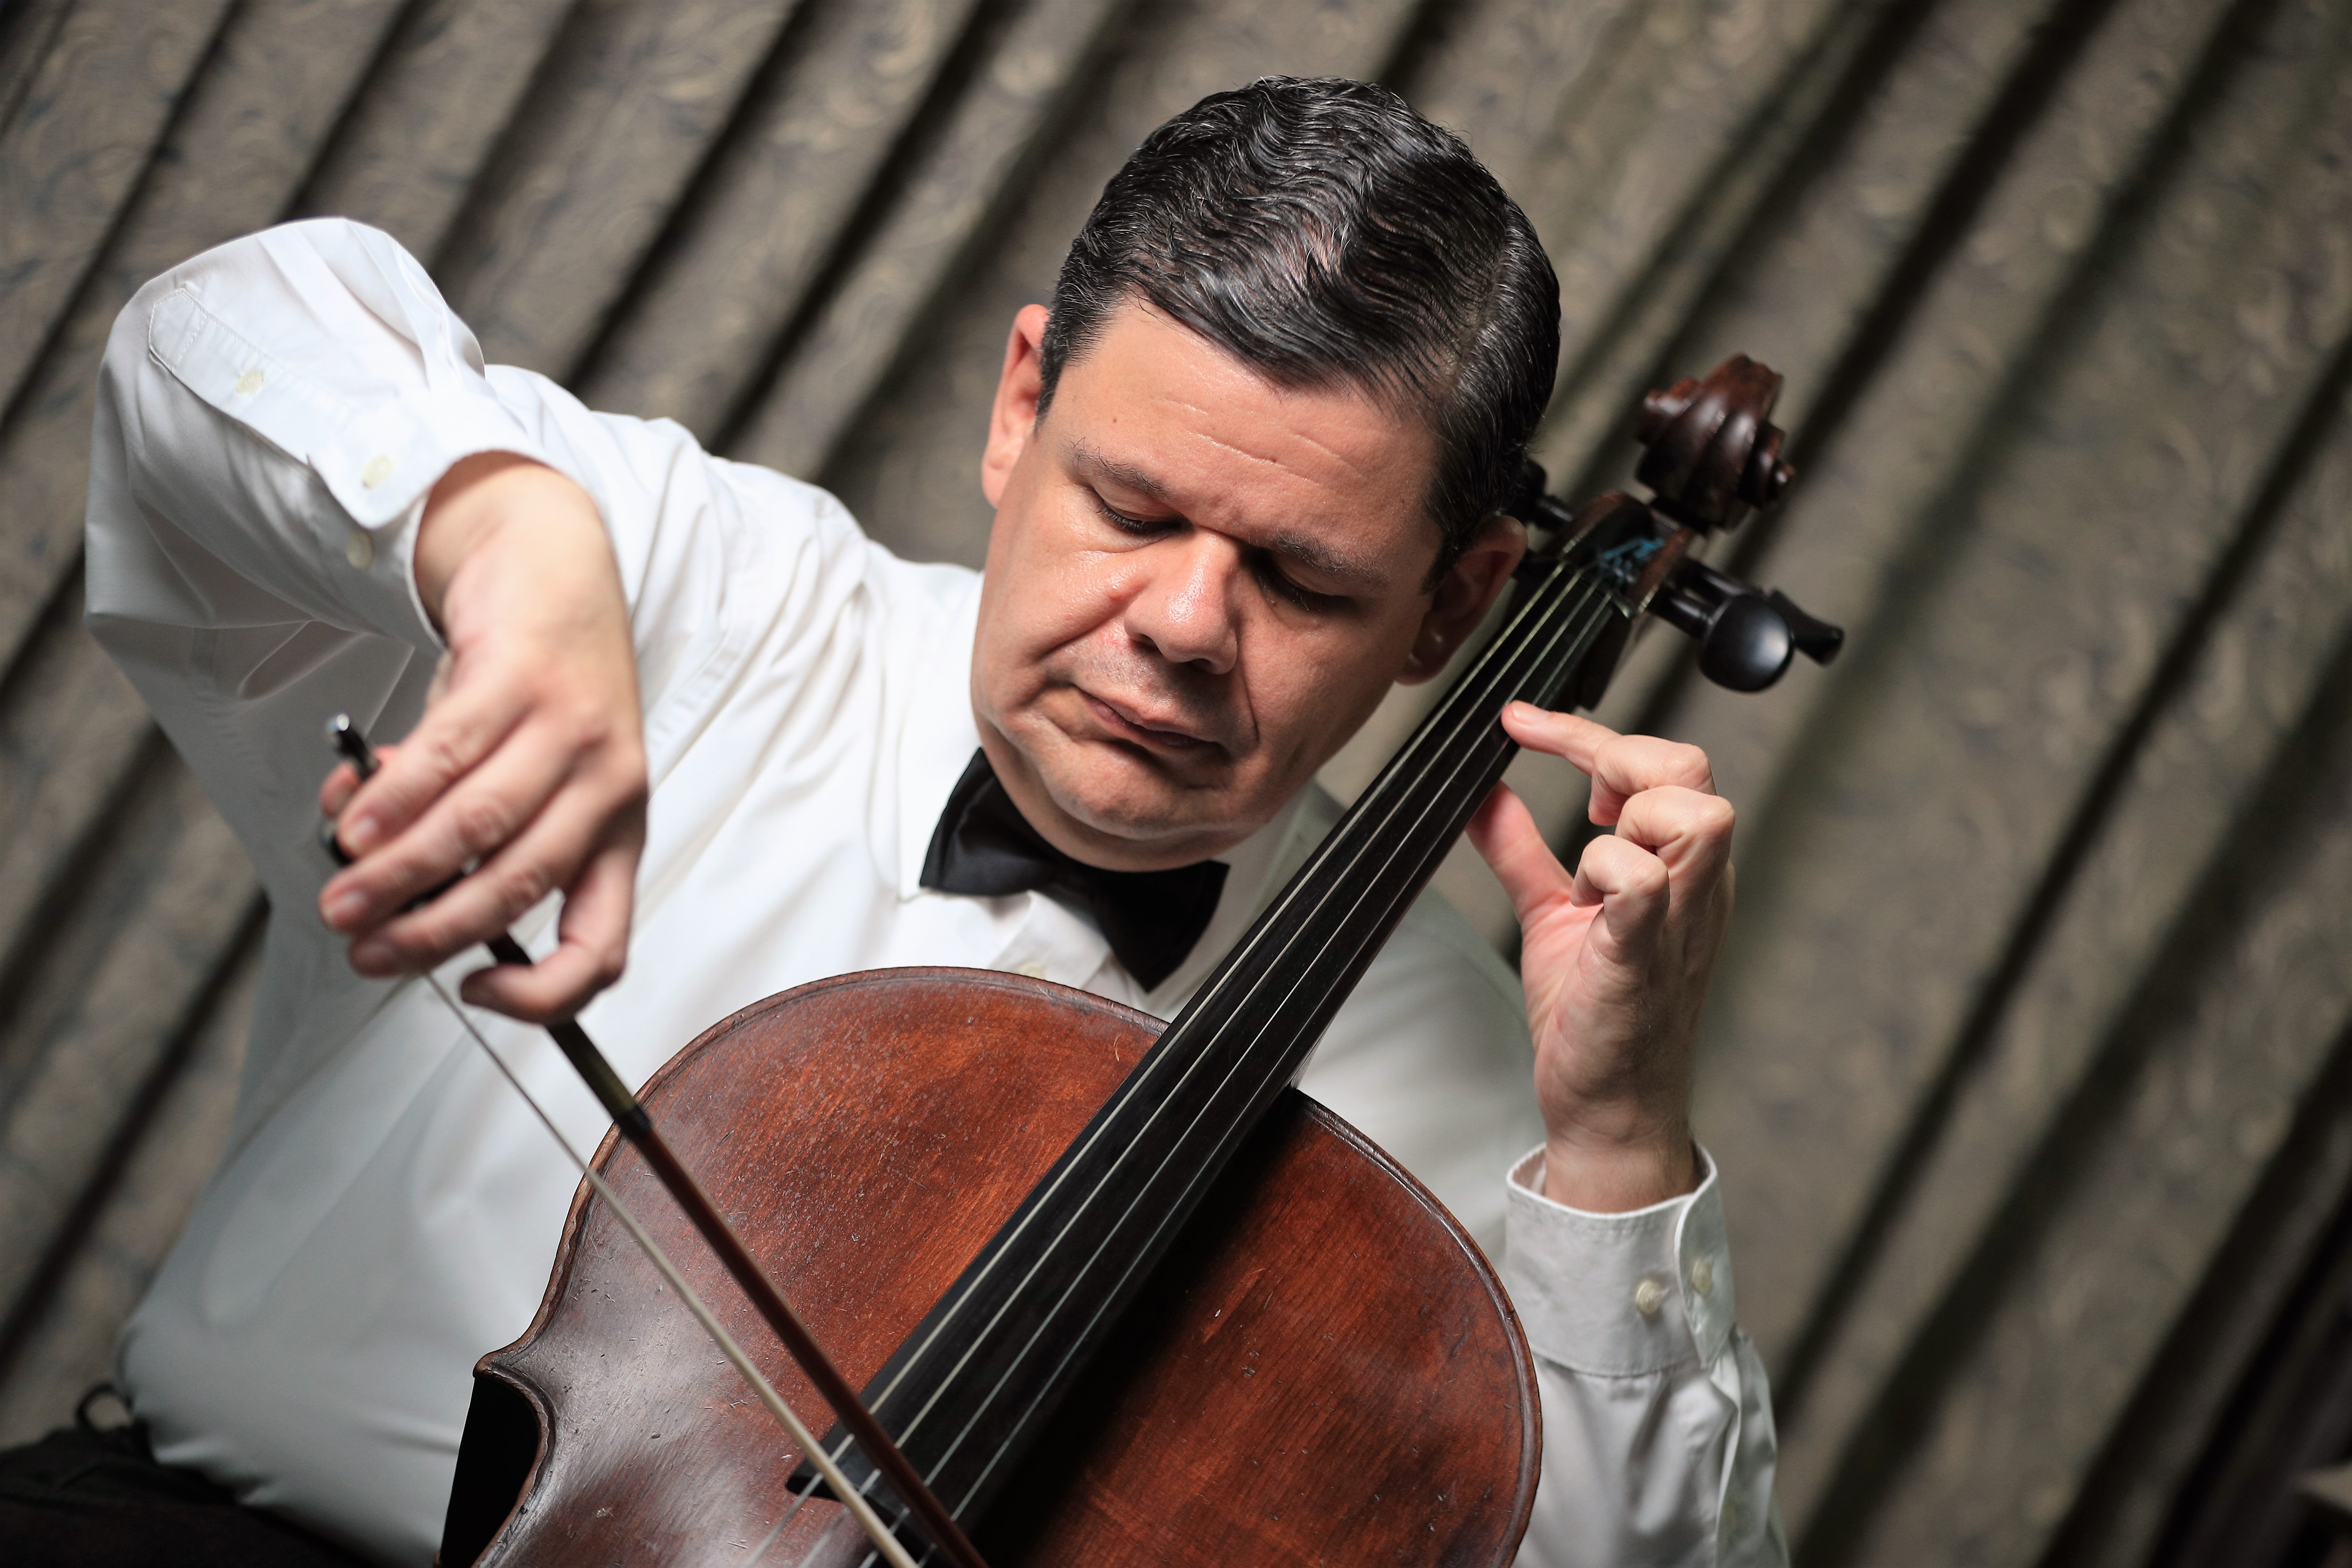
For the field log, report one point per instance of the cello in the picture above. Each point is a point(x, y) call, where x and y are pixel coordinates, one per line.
point(1114, 1293)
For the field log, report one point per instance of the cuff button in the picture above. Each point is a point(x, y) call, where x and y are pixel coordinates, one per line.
point(378, 469)
point(359, 549)
point(1648, 1297)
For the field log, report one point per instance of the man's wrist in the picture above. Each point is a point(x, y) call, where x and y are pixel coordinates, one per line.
point(469, 504)
point(1618, 1175)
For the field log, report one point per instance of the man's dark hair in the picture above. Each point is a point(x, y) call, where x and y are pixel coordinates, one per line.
point(1324, 235)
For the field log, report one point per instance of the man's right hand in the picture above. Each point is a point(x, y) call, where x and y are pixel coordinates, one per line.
point(529, 762)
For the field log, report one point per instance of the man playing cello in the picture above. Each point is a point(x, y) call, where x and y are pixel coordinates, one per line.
point(700, 741)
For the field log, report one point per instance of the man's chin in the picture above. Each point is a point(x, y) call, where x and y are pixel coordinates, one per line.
point(1134, 815)
point(1111, 803)
point(1150, 826)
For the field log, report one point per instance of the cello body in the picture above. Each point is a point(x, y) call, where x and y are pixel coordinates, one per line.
point(1325, 1368)
point(1114, 1294)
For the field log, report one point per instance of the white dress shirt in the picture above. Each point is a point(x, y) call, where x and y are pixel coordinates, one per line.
point(271, 415)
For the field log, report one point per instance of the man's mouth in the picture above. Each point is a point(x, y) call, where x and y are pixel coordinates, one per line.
point(1151, 730)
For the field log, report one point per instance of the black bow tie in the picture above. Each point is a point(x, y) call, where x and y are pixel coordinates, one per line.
point(984, 845)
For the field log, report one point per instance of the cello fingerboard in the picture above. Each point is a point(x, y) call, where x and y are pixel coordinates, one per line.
point(967, 1392)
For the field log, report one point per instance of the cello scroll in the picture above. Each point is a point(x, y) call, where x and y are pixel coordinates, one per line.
point(1713, 456)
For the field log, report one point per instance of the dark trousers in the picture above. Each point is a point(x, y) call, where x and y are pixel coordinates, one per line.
point(83, 1498)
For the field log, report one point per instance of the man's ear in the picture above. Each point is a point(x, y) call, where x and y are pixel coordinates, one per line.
point(1015, 414)
point(1464, 595)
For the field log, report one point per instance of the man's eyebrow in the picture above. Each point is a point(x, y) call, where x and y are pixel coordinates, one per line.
point(1320, 558)
point(1361, 575)
point(1141, 481)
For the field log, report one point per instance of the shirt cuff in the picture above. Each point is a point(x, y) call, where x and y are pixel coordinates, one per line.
point(381, 467)
point(1619, 1294)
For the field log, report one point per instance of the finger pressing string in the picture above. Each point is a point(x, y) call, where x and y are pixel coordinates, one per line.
point(1689, 831)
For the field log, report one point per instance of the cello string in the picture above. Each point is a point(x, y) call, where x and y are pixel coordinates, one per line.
point(799, 1497)
point(826, 1534)
point(825, 1537)
point(1499, 651)
point(1427, 796)
point(1458, 761)
point(883, 1538)
point(1566, 609)
point(623, 1107)
point(853, 1499)
point(1538, 645)
point(1534, 645)
point(807, 1490)
point(1499, 666)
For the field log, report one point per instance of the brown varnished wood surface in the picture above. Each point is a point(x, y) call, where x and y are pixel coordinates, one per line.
point(1326, 1370)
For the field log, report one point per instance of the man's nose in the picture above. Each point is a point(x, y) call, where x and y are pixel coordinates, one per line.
point(1185, 613)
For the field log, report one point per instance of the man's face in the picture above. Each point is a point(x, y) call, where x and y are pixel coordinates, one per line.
point(1199, 585)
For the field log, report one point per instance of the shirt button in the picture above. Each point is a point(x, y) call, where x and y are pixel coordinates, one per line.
point(250, 382)
point(1703, 1277)
point(1649, 1295)
point(378, 469)
point(1034, 970)
point(359, 549)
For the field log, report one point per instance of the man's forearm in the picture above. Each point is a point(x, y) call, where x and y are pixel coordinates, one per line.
point(528, 765)
point(490, 493)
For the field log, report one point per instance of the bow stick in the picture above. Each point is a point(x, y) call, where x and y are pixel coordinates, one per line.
point(629, 1114)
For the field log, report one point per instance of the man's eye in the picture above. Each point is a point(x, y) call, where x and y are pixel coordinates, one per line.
point(1270, 572)
point(1139, 526)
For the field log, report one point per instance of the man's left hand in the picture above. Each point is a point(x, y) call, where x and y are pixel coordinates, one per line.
point(1615, 959)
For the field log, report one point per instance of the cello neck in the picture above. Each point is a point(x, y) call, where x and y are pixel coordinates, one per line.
point(1284, 981)
point(967, 1391)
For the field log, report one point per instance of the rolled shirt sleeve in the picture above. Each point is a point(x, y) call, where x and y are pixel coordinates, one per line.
point(271, 416)
point(1658, 1442)
point(288, 400)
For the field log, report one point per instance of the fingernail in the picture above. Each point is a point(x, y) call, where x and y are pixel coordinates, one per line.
point(359, 834)
point(372, 956)
point(344, 910)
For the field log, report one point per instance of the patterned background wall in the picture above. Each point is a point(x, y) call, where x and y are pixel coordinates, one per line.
point(2030, 1065)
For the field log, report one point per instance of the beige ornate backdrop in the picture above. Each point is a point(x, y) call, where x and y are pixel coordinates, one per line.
point(2029, 1066)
